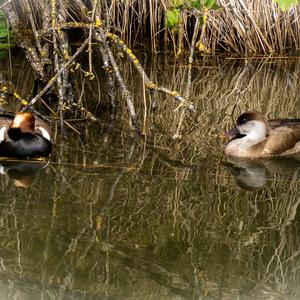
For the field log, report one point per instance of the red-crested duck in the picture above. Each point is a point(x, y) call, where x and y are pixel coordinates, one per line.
point(24, 136)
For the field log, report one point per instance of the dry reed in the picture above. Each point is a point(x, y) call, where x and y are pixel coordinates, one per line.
point(243, 27)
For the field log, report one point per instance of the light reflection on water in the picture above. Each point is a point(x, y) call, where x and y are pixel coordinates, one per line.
point(157, 218)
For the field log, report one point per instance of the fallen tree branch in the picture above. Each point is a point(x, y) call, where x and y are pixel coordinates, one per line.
point(114, 38)
point(54, 78)
point(24, 41)
point(148, 83)
point(106, 52)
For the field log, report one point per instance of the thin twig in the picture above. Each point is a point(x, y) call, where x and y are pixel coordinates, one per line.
point(54, 78)
point(4, 4)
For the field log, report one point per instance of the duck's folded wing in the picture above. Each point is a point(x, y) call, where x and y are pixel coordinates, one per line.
point(283, 122)
point(282, 140)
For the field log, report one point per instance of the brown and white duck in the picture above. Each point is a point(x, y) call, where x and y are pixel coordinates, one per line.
point(256, 137)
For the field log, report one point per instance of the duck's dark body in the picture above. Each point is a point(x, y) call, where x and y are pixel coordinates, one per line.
point(28, 145)
point(24, 136)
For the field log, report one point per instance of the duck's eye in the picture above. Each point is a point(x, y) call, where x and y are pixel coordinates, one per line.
point(242, 121)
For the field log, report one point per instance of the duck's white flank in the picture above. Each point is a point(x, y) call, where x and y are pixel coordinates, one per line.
point(44, 132)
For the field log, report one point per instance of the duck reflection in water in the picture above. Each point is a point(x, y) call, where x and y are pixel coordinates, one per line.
point(253, 174)
point(22, 172)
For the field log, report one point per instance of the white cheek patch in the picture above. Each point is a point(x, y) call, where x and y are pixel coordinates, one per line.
point(44, 132)
point(255, 130)
point(2, 133)
point(2, 170)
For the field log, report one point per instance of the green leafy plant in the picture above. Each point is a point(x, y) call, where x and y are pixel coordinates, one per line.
point(173, 15)
point(173, 18)
point(204, 4)
point(286, 4)
point(6, 35)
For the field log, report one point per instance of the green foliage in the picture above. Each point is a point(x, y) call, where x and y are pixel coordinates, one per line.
point(173, 16)
point(177, 3)
point(204, 4)
point(286, 4)
point(6, 34)
point(3, 26)
point(3, 53)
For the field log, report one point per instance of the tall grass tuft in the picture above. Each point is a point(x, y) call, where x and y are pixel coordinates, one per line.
point(244, 27)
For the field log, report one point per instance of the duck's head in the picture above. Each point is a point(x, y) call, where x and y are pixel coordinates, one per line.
point(252, 125)
point(23, 122)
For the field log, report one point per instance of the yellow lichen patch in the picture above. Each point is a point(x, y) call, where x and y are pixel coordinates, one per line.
point(99, 222)
point(24, 102)
point(16, 95)
point(201, 47)
point(108, 70)
point(90, 75)
point(151, 85)
point(174, 93)
point(44, 53)
point(66, 54)
point(77, 66)
point(98, 22)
